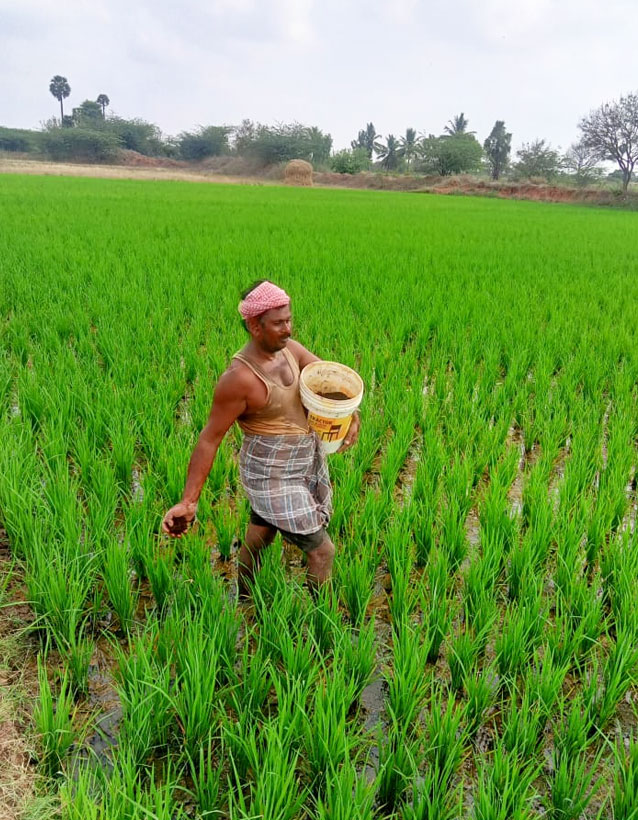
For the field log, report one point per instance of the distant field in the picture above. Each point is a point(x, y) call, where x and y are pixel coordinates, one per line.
point(478, 654)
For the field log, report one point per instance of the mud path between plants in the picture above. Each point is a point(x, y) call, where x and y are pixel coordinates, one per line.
point(18, 685)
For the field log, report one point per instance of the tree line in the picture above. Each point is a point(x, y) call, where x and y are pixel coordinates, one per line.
point(609, 133)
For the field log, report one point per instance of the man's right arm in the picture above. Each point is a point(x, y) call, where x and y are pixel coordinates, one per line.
point(229, 402)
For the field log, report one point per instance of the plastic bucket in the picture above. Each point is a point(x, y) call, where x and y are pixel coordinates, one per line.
point(330, 392)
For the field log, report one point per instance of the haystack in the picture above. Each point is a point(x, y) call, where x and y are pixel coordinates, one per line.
point(298, 172)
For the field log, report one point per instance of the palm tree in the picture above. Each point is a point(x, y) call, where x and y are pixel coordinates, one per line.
point(389, 153)
point(103, 101)
point(60, 88)
point(408, 149)
point(369, 140)
point(457, 125)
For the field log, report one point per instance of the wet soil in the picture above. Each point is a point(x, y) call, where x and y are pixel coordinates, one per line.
point(336, 396)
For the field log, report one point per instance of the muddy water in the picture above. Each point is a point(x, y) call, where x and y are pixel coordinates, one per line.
point(337, 396)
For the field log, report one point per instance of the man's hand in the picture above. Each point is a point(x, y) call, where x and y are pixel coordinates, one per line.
point(179, 518)
point(353, 433)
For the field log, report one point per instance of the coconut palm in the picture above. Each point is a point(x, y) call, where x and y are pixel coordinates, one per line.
point(408, 146)
point(457, 125)
point(60, 88)
point(389, 153)
point(369, 140)
point(103, 101)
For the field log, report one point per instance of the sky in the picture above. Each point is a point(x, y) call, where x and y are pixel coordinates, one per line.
point(539, 65)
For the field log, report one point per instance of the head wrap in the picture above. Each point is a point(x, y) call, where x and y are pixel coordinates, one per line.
point(264, 297)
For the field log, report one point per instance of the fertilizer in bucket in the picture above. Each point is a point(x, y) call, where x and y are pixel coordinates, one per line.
point(330, 392)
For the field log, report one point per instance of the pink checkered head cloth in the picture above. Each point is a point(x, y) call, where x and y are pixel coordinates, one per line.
point(264, 297)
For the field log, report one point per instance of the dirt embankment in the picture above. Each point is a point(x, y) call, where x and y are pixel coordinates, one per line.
point(241, 171)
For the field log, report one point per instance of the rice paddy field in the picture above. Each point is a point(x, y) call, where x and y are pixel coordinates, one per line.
point(477, 652)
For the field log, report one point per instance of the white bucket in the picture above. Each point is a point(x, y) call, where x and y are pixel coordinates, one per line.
point(330, 417)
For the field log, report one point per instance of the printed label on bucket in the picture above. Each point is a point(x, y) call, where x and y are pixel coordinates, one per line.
point(329, 429)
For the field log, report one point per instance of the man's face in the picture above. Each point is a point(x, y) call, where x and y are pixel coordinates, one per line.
point(272, 329)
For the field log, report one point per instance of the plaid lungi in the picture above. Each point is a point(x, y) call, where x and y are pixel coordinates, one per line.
point(287, 482)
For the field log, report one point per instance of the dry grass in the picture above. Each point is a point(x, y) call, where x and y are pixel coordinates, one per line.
point(41, 168)
point(298, 172)
point(19, 794)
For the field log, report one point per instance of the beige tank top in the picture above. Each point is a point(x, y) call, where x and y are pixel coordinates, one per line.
point(284, 414)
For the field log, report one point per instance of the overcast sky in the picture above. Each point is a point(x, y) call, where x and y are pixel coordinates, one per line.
point(538, 64)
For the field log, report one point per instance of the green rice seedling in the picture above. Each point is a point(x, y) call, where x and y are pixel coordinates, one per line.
point(521, 631)
point(325, 619)
point(298, 655)
point(445, 737)
point(102, 498)
point(481, 689)
point(575, 731)
point(544, 680)
point(236, 739)
point(619, 569)
point(453, 540)
point(573, 786)
point(407, 682)
point(76, 655)
point(292, 696)
point(574, 782)
point(404, 594)
point(123, 435)
point(504, 790)
point(462, 655)
point(523, 725)
point(436, 604)
point(625, 796)
point(430, 802)
point(618, 674)
point(347, 795)
point(196, 695)
point(424, 530)
point(496, 521)
point(160, 571)
point(282, 626)
point(116, 573)
point(253, 680)
point(521, 566)
point(356, 582)
point(208, 789)
point(143, 683)
point(569, 563)
point(58, 588)
point(399, 759)
point(327, 739)
point(80, 796)
point(275, 790)
point(53, 722)
point(597, 529)
point(479, 606)
point(396, 452)
point(398, 543)
point(133, 794)
point(226, 528)
point(355, 652)
point(458, 486)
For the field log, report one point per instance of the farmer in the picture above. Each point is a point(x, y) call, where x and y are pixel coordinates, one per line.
point(281, 464)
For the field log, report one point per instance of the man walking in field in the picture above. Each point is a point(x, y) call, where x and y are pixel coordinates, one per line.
point(281, 464)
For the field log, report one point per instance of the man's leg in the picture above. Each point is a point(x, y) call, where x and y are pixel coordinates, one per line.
point(257, 537)
point(320, 562)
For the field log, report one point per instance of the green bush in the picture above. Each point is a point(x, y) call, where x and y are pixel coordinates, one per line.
point(350, 162)
point(80, 144)
point(205, 142)
point(18, 139)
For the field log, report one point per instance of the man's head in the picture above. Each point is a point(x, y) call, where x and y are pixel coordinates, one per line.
point(265, 310)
